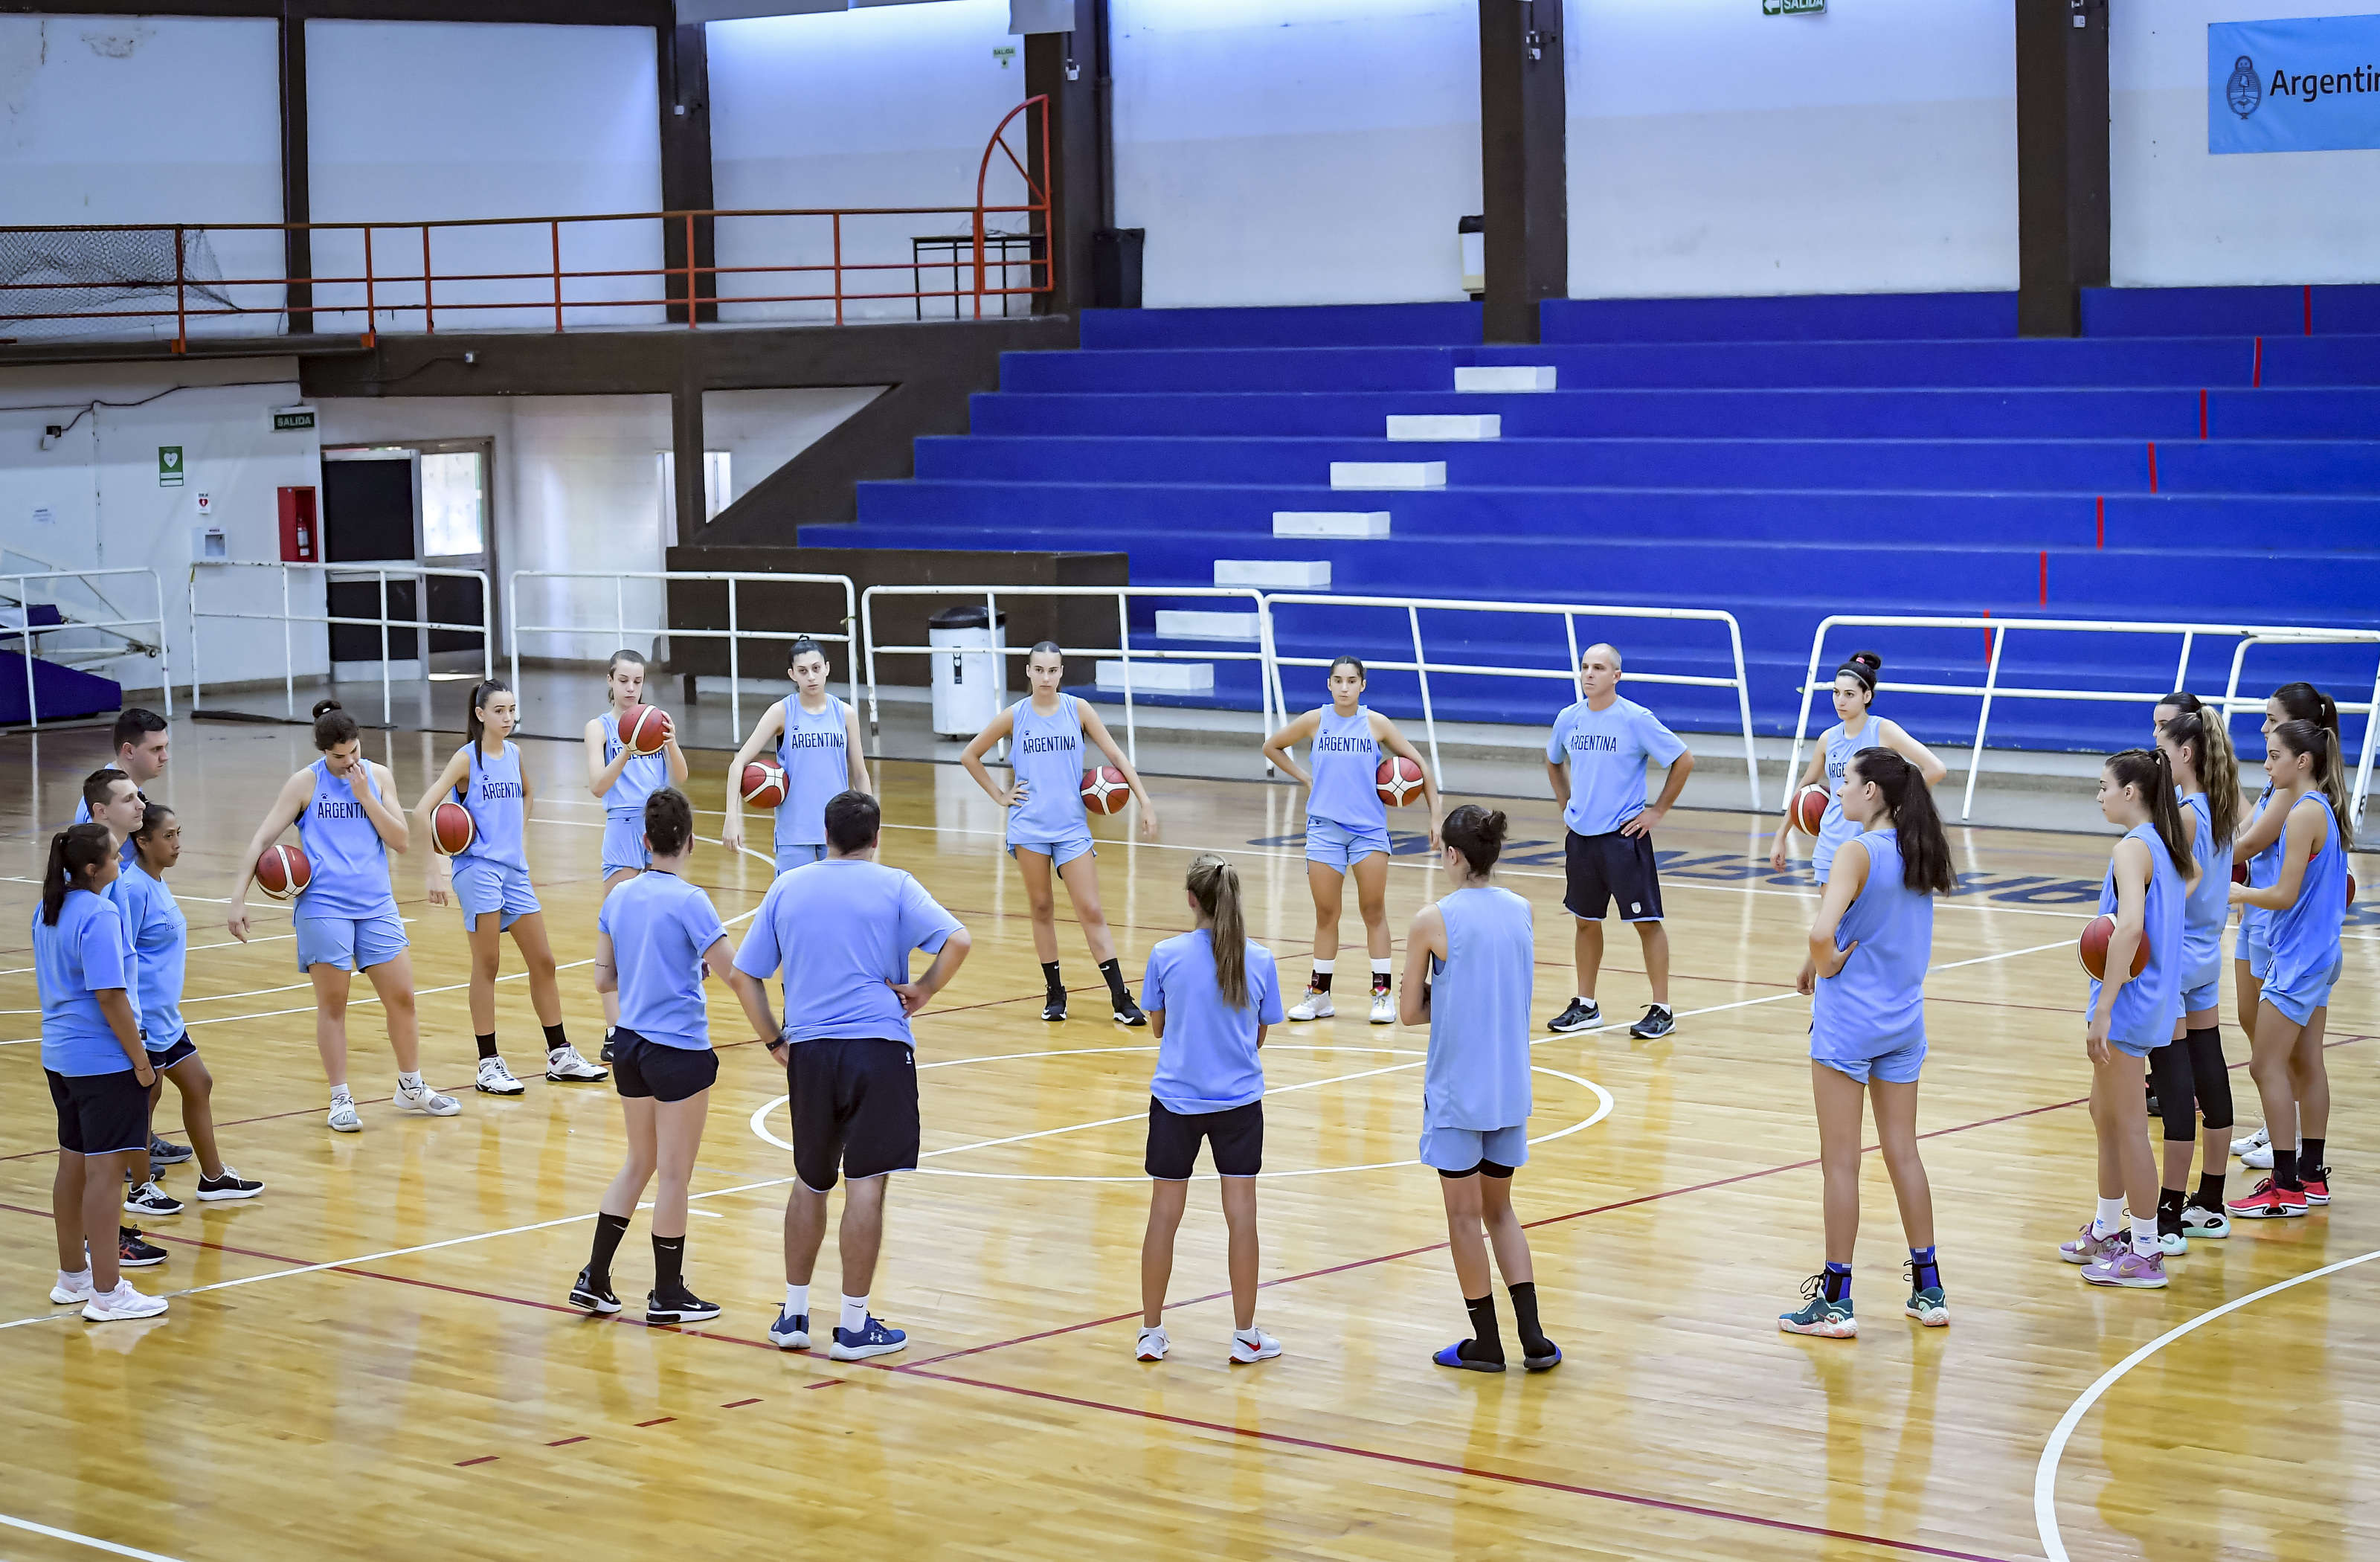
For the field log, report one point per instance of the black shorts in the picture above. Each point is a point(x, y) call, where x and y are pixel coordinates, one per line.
point(1236, 1134)
point(182, 1047)
point(854, 1108)
point(101, 1114)
point(641, 1067)
point(1602, 869)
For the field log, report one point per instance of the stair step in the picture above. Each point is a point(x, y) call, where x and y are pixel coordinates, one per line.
point(1159, 678)
point(1274, 574)
point(1388, 474)
point(1356, 524)
point(1505, 377)
point(1445, 426)
point(1173, 623)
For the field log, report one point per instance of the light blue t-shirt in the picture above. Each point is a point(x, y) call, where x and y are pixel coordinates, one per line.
point(659, 926)
point(347, 859)
point(1345, 762)
point(2305, 935)
point(2209, 905)
point(2264, 873)
point(1208, 1060)
point(1477, 1073)
point(491, 789)
point(2147, 1005)
point(639, 778)
point(1838, 746)
point(161, 943)
point(816, 755)
point(842, 931)
point(1047, 754)
point(1606, 751)
point(84, 955)
point(1876, 1003)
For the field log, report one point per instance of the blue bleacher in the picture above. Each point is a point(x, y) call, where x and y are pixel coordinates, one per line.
point(2197, 455)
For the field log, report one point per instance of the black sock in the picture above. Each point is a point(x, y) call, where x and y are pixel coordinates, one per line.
point(1050, 978)
point(2210, 1191)
point(609, 1229)
point(1485, 1344)
point(487, 1045)
point(1524, 1319)
point(2169, 1203)
point(1320, 983)
point(1113, 971)
point(1380, 984)
point(1838, 1282)
point(2310, 1162)
point(554, 1039)
point(2285, 1169)
point(669, 1266)
point(1924, 1269)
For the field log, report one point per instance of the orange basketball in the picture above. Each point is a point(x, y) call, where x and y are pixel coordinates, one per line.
point(282, 871)
point(2239, 871)
point(764, 784)
point(2092, 948)
point(645, 729)
point(452, 829)
point(1105, 790)
point(1399, 780)
point(1810, 808)
point(2351, 889)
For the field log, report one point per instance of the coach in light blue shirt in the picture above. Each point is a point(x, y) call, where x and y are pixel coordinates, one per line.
point(1595, 760)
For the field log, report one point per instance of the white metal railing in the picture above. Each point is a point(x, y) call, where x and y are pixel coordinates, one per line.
point(1570, 612)
point(1122, 596)
point(287, 619)
point(1991, 689)
point(16, 586)
point(622, 629)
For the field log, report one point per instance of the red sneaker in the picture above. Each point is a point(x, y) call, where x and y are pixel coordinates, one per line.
point(2268, 1202)
point(2317, 1187)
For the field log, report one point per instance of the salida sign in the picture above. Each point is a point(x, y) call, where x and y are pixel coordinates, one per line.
point(2307, 84)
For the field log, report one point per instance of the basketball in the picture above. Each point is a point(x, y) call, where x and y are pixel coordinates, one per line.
point(646, 730)
point(1810, 808)
point(2092, 948)
point(1105, 789)
point(2351, 889)
point(1399, 780)
point(282, 871)
point(2239, 871)
point(452, 829)
point(764, 784)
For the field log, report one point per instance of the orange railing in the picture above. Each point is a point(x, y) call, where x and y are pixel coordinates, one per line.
point(828, 280)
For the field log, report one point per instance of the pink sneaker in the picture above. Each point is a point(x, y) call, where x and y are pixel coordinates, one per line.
point(2127, 1268)
point(2087, 1249)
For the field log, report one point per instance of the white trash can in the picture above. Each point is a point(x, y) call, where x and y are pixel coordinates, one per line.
point(969, 689)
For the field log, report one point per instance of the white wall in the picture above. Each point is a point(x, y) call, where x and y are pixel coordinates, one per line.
point(414, 121)
point(1297, 151)
point(1717, 151)
point(2183, 217)
point(764, 428)
point(144, 119)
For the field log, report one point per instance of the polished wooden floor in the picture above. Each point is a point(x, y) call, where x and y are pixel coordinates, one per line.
point(372, 1360)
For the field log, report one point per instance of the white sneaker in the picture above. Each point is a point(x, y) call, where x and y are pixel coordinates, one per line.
point(122, 1302)
point(429, 1102)
point(1314, 1006)
point(1384, 1008)
point(343, 1114)
point(1151, 1345)
point(563, 1066)
point(2260, 1158)
point(71, 1290)
point(2209, 1225)
point(1253, 1345)
point(2258, 1140)
point(494, 1079)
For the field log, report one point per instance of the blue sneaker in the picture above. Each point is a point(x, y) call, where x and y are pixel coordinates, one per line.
point(874, 1339)
point(791, 1331)
point(1817, 1315)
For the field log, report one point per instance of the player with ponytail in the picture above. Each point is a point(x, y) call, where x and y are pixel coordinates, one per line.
point(1856, 731)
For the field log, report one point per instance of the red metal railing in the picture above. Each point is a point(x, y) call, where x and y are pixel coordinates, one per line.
point(692, 287)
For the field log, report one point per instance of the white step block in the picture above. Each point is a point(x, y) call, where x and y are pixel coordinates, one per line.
point(1505, 377)
point(1159, 678)
point(1274, 574)
point(1174, 624)
point(1446, 425)
point(1356, 524)
point(1388, 474)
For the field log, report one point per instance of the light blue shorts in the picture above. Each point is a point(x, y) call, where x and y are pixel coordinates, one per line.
point(2298, 1005)
point(2205, 995)
point(1335, 846)
point(1060, 853)
point(349, 943)
point(623, 843)
point(792, 855)
point(1459, 1149)
point(482, 886)
point(1897, 1064)
point(2253, 948)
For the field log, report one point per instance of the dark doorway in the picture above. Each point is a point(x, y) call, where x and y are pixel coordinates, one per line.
point(368, 516)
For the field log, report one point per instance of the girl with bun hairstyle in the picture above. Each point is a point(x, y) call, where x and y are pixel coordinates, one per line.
point(1856, 728)
point(347, 823)
point(1469, 973)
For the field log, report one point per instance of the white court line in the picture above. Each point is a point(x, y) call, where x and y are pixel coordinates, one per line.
point(2045, 1477)
point(32, 1528)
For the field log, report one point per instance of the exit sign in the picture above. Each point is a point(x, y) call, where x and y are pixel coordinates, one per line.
point(1790, 7)
point(286, 418)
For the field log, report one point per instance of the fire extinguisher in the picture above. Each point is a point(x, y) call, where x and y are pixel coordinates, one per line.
point(301, 531)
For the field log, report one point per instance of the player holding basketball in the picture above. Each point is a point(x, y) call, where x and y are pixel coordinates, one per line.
point(1855, 730)
point(490, 880)
point(2149, 878)
point(1347, 828)
point(1470, 965)
point(1865, 975)
point(1212, 992)
point(345, 916)
point(1595, 760)
point(817, 744)
point(841, 933)
point(1047, 829)
point(623, 779)
point(2307, 902)
point(654, 939)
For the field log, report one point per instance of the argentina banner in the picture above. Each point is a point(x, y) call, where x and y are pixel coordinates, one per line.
point(2309, 84)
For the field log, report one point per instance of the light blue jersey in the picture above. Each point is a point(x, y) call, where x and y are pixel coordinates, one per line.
point(2147, 1005)
point(161, 943)
point(493, 791)
point(1206, 1061)
point(348, 861)
point(1876, 1005)
point(2304, 936)
point(2209, 905)
point(659, 927)
point(85, 954)
point(1047, 754)
point(815, 752)
point(842, 931)
point(1477, 1075)
point(2264, 873)
point(639, 778)
point(1345, 762)
point(1606, 751)
point(1838, 745)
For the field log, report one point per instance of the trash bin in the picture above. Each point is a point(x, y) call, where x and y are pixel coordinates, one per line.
point(968, 689)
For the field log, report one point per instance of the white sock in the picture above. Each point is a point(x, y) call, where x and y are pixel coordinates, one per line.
point(798, 1299)
point(1248, 1334)
point(2110, 1218)
point(2145, 1235)
point(84, 1275)
point(854, 1314)
point(1583, 998)
point(1380, 968)
point(408, 1082)
point(1663, 1007)
point(339, 1092)
point(1324, 968)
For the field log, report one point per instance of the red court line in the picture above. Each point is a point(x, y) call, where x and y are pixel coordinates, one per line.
point(483, 1458)
point(739, 1404)
point(657, 1421)
point(565, 1442)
